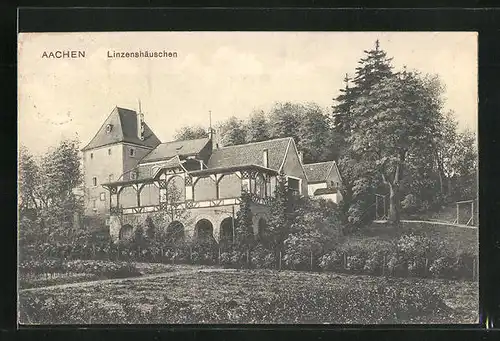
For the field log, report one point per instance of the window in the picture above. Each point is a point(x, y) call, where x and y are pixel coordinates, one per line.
point(109, 151)
point(94, 204)
point(103, 196)
point(91, 156)
point(294, 185)
point(244, 187)
point(132, 152)
point(94, 181)
point(110, 177)
point(133, 175)
point(109, 127)
point(260, 186)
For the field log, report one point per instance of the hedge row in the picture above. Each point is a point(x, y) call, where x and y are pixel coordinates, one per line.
point(410, 255)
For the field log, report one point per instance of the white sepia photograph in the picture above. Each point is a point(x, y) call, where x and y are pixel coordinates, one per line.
point(248, 178)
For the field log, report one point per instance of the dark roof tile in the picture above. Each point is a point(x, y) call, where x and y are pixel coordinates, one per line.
point(170, 149)
point(250, 154)
point(317, 172)
point(124, 129)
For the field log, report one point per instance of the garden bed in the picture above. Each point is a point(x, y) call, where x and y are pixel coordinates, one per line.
point(33, 274)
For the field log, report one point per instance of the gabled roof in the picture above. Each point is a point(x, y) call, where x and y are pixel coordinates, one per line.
point(251, 154)
point(318, 172)
point(168, 150)
point(124, 129)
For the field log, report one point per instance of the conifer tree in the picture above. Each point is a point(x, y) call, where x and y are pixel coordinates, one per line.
point(281, 208)
point(372, 69)
point(358, 181)
point(243, 223)
point(342, 108)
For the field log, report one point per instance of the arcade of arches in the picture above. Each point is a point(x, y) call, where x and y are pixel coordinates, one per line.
point(203, 231)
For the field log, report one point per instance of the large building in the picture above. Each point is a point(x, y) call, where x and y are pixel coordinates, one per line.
point(194, 185)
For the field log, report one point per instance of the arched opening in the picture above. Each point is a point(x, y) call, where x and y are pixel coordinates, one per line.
point(262, 229)
point(226, 230)
point(175, 232)
point(204, 231)
point(126, 232)
point(259, 186)
point(128, 197)
point(176, 190)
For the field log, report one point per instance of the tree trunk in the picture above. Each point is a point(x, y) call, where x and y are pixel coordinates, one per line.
point(394, 203)
point(440, 171)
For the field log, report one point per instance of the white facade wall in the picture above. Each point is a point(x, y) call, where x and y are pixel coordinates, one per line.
point(311, 188)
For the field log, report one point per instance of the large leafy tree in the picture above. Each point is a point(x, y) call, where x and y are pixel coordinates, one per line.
point(232, 132)
point(47, 187)
point(285, 120)
point(456, 160)
point(190, 133)
point(258, 128)
point(28, 181)
point(316, 140)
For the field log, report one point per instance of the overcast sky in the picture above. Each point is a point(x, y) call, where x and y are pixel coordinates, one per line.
point(227, 73)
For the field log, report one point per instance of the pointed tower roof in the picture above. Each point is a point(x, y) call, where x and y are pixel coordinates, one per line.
point(121, 126)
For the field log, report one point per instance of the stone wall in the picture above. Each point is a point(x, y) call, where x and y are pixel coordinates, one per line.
point(161, 220)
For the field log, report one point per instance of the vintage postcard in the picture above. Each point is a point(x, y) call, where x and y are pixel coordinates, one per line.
point(248, 178)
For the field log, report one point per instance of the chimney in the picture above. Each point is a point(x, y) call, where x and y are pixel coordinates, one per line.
point(301, 156)
point(265, 158)
point(211, 136)
point(140, 123)
point(211, 132)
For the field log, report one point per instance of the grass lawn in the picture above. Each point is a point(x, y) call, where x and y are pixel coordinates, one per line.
point(457, 238)
point(253, 296)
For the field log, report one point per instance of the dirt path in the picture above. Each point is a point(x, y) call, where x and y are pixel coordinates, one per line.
point(118, 280)
point(432, 222)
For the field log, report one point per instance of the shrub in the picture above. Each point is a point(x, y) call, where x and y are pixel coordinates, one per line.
point(439, 267)
point(233, 258)
point(175, 255)
point(331, 261)
point(355, 263)
point(204, 254)
point(395, 265)
point(411, 246)
point(262, 258)
point(374, 263)
point(416, 267)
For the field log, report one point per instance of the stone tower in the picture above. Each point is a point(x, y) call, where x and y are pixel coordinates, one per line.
point(122, 140)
